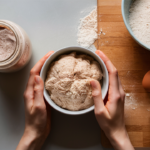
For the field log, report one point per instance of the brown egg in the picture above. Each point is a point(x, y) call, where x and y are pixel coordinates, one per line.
point(146, 82)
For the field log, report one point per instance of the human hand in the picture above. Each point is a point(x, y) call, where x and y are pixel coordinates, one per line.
point(110, 117)
point(37, 111)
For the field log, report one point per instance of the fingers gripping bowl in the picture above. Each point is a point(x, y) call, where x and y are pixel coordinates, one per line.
point(68, 50)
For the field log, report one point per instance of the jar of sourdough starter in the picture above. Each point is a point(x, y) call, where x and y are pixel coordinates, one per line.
point(15, 47)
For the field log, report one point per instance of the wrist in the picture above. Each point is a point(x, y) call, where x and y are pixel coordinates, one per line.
point(30, 141)
point(120, 140)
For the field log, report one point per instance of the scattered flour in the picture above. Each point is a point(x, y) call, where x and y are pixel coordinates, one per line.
point(139, 20)
point(127, 94)
point(87, 31)
point(131, 102)
point(101, 32)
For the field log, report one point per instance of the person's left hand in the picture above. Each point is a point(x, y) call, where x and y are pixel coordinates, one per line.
point(37, 111)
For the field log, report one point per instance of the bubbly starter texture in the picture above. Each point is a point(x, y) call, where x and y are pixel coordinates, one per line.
point(7, 43)
point(68, 81)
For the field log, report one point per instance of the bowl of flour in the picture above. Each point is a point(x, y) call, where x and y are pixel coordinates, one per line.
point(67, 74)
point(136, 16)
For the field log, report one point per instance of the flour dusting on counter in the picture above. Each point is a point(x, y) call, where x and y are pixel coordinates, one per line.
point(87, 31)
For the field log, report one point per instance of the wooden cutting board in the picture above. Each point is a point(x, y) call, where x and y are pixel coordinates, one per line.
point(132, 62)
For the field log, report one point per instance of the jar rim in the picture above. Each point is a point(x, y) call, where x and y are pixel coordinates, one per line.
point(14, 58)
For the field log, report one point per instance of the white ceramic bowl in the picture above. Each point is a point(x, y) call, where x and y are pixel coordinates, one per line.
point(43, 74)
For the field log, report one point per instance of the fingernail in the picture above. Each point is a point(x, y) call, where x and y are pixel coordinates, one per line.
point(98, 51)
point(95, 88)
point(48, 54)
point(37, 80)
point(93, 84)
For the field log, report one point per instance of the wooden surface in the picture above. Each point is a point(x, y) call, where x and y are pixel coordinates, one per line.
point(132, 62)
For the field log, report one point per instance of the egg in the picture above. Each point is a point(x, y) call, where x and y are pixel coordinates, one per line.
point(146, 81)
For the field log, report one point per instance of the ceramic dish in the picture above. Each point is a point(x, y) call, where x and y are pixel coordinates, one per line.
point(45, 68)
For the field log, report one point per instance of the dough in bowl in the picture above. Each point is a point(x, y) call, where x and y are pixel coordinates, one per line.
point(68, 81)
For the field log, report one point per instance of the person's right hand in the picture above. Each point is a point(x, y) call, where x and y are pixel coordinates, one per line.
point(111, 116)
point(37, 111)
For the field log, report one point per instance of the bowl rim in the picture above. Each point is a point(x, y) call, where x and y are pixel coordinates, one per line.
point(68, 112)
point(130, 30)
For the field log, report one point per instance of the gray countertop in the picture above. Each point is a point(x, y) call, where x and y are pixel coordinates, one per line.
point(50, 25)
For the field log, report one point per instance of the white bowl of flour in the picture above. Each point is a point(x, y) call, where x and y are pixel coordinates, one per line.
point(136, 16)
point(51, 98)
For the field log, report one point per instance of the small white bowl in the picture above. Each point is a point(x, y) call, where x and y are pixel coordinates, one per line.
point(43, 74)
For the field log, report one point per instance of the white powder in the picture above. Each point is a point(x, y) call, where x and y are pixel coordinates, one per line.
point(139, 20)
point(87, 31)
point(127, 94)
point(101, 32)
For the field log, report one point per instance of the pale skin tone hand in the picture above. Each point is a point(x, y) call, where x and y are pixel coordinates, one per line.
point(110, 117)
point(37, 111)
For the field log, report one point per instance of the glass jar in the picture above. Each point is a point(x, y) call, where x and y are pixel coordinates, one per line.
point(22, 52)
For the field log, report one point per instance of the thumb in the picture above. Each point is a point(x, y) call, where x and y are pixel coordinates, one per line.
point(38, 90)
point(97, 95)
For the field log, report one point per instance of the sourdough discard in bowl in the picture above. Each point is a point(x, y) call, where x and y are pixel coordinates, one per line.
point(68, 80)
point(79, 81)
